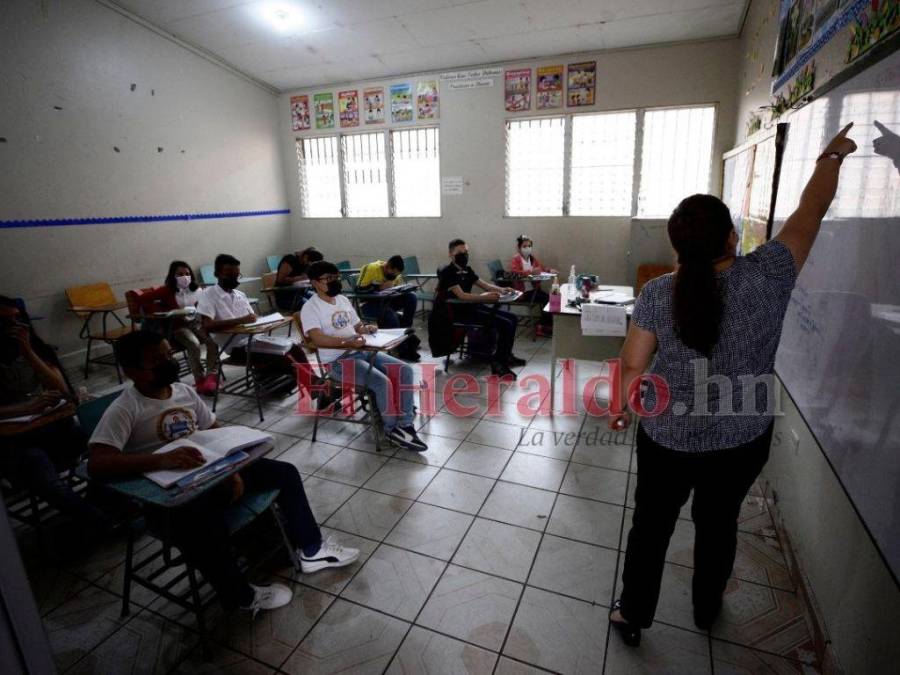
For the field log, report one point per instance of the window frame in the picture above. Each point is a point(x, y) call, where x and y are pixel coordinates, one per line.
point(637, 157)
point(389, 167)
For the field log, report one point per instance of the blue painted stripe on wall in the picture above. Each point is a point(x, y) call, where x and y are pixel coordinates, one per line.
point(64, 222)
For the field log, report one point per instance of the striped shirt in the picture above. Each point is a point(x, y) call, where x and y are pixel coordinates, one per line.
point(707, 408)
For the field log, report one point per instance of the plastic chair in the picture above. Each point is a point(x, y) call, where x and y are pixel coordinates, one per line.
point(272, 261)
point(647, 272)
point(208, 275)
point(495, 267)
point(411, 266)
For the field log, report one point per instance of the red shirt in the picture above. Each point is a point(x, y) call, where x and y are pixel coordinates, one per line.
point(517, 264)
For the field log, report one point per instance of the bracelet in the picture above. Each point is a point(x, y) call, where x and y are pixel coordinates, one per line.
point(830, 155)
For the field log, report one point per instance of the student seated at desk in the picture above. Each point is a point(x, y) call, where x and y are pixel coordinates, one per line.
point(455, 281)
point(291, 270)
point(223, 306)
point(157, 409)
point(523, 264)
point(382, 275)
point(331, 323)
point(180, 290)
point(31, 381)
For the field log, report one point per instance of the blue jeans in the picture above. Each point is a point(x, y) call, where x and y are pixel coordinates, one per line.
point(384, 312)
point(382, 385)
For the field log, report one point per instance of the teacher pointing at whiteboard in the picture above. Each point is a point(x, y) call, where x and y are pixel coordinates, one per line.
point(714, 325)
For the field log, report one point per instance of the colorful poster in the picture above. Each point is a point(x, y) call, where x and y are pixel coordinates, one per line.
point(427, 103)
point(373, 105)
point(348, 108)
point(324, 110)
point(873, 24)
point(581, 84)
point(401, 103)
point(549, 87)
point(517, 90)
point(299, 113)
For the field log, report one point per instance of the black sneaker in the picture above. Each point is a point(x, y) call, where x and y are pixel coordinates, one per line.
point(513, 360)
point(502, 370)
point(407, 439)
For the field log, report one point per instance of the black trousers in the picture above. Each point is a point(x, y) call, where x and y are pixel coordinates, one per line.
point(199, 530)
point(504, 323)
point(720, 480)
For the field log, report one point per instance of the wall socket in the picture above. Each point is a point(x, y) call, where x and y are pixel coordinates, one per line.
point(795, 441)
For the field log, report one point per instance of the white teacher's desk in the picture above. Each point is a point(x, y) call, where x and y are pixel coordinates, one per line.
point(569, 343)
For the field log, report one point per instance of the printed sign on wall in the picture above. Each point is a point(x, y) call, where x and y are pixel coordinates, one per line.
point(401, 103)
point(324, 110)
point(517, 90)
point(373, 105)
point(581, 84)
point(427, 102)
point(348, 107)
point(300, 113)
point(549, 87)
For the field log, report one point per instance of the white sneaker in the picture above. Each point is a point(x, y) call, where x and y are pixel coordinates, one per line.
point(269, 597)
point(330, 554)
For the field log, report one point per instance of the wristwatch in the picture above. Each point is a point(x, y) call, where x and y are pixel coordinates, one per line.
point(831, 155)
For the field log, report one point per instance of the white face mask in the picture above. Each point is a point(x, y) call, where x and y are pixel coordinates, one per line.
point(526, 251)
point(183, 281)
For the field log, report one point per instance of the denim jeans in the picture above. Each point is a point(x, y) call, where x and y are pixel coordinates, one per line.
point(383, 381)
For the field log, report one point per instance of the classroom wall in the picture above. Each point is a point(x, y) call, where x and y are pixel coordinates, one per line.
point(850, 585)
point(192, 138)
point(473, 146)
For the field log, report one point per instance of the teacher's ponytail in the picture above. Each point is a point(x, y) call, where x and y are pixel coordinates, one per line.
point(699, 229)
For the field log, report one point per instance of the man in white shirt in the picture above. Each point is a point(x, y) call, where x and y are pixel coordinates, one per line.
point(157, 409)
point(222, 307)
point(332, 324)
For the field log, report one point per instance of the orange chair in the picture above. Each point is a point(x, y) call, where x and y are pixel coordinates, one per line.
point(647, 272)
point(88, 301)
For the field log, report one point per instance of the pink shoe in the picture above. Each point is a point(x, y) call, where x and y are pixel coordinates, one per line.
point(207, 386)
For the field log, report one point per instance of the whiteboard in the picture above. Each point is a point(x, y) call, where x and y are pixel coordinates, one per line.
point(839, 356)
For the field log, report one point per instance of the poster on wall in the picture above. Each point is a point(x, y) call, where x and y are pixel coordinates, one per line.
point(300, 113)
point(581, 83)
point(872, 25)
point(549, 87)
point(427, 102)
point(324, 110)
point(373, 105)
point(348, 108)
point(517, 90)
point(805, 26)
point(401, 103)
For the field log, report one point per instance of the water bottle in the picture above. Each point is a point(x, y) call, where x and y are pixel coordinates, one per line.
point(572, 282)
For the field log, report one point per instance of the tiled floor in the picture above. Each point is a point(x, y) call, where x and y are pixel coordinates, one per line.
point(498, 550)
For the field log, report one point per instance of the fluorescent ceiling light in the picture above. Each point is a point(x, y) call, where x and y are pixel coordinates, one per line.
point(281, 16)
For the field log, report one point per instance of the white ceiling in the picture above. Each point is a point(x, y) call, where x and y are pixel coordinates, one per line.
point(333, 41)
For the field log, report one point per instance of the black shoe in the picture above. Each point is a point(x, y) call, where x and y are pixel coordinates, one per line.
point(514, 361)
point(406, 438)
point(502, 370)
point(705, 617)
point(631, 634)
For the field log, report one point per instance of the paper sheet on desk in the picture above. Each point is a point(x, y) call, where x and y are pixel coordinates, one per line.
point(262, 320)
point(384, 337)
point(603, 320)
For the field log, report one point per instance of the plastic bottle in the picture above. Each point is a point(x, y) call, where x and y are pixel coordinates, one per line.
point(555, 297)
point(572, 279)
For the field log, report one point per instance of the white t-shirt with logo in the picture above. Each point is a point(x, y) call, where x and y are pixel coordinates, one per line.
point(337, 320)
point(134, 423)
point(220, 305)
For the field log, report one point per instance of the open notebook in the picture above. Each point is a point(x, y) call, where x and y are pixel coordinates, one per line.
point(220, 448)
point(384, 337)
point(30, 418)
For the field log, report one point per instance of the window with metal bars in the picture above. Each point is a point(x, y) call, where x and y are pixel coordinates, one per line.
point(365, 175)
point(416, 176)
point(535, 165)
point(320, 189)
point(602, 164)
point(676, 157)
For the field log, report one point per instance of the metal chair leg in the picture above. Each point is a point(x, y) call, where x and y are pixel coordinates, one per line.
point(198, 612)
point(275, 511)
point(126, 582)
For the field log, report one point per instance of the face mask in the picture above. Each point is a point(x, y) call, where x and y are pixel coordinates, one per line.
point(165, 373)
point(461, 259)
point(183, 281)
point(390, 277)
point(229, 284)
point(526, 251)
point(334, 288)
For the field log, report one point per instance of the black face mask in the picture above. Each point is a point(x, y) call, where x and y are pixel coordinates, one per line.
point(389, 277)
point(165, 373)
point(461, 259)
point(334, 288)
point(229, 284)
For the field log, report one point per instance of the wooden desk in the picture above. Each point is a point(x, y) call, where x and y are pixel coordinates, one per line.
point(569, 343)
point(17, 428)
point(250, 385)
